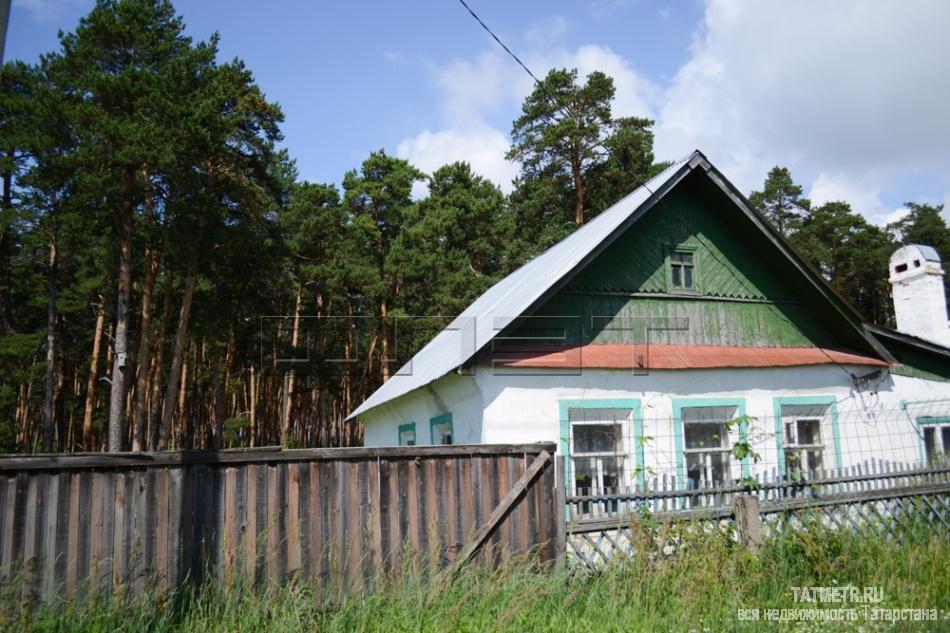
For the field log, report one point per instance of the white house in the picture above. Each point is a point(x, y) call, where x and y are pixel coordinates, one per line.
point(665, 332)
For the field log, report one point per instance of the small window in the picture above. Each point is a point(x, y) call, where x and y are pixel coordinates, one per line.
point(930, 444)
point(597, 452)
point(407, 434)
point(441, 427)
point(937, 444)
point(900, 268)
point(916, 263)
point(707, 445)
point(682, 270)
point(804, 450)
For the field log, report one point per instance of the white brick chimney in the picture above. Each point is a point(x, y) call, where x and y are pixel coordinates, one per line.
point(920, 304)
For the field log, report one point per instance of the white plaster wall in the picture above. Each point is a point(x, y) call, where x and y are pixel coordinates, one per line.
point(920, 307)
point(457, 394)
point(490, 408)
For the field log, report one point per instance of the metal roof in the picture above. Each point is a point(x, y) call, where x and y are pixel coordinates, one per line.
point(513, 295)
point(523, 289)
point(929, 252)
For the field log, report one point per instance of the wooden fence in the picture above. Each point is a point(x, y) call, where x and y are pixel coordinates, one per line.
point(880, 495)
point(97, 523)
point(665, 495)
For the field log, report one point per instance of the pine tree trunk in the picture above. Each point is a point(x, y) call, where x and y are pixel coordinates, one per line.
point(185, 434)
point(155, 408)
point(579, 195)
point(174, 372)
point(117, 397)
point(145, 351)
point(220, 394)
point(383, 342)
point(288, 402)
point(348, 356)
point(253, 409)
point(49, 395)
point(91, 379)
point(23, 409)
point(6, 252)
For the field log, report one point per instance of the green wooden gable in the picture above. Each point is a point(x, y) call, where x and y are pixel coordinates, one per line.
point(746, 292)
point(639, 260)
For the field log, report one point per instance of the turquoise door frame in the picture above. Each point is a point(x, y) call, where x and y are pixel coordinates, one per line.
point(564, 431)
point(827, 401)
point(678, 432)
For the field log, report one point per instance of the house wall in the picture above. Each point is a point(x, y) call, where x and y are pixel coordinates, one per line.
point(874, 423)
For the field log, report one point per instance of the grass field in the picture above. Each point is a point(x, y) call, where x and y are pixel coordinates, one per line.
point(699, 588)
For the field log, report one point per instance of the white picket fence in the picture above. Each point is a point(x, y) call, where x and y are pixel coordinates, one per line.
point(880, 495)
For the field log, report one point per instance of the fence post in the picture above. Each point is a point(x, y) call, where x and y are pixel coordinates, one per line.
point(748, 521)
point(561, 514)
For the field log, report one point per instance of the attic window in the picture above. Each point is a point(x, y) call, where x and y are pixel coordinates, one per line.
point(682, 270)
point(900, 268)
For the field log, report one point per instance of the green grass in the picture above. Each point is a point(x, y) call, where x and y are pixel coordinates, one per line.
point(699, 588)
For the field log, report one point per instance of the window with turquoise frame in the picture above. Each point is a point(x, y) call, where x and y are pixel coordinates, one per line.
point(806, 435)
point(704, 434)
point(440, 428)
point(935, 432)
point(600, 437)
point(407, 434)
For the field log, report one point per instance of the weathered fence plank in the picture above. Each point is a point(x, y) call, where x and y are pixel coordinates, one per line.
point(95, 524)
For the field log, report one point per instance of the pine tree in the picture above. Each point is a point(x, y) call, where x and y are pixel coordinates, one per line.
point(781, 200)
point(576, 159)
point(124, 73)
point(561, 130)
point(377, 198)
point(850, 253)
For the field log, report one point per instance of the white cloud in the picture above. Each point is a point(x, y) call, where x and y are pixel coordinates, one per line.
point(863, 195)
point(547, 31)
point(849, 93)
point(635, 95)
point(474, 90)
point(474, 93)
point(395, 57)
point(482, 147)
point(45, 10)
point(894, 216)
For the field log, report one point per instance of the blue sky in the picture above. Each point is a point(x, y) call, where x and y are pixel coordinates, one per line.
point(849, 95)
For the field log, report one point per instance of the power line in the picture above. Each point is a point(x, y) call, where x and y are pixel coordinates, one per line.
point(502, 44)
point(630, 172)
